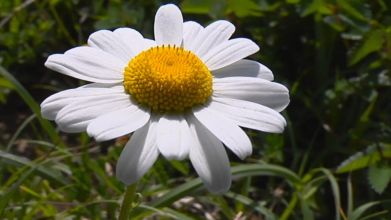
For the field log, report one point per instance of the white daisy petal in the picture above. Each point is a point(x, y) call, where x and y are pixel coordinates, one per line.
point(111, 43)
point(133, 40)
point(229, 52)
point(249, 114)
point(209, 159)
point(173, 137)
point(248, 68)
point(76, 116)
point(148, 43)
point(211, 36)
point(191, 30)
point(88, 63)
point(186, 139)
point(54, 103)
point(118, 86)
point(270, 94)
point(139, 154)
point(118, 123)
point(168, 25)
point(225, 130)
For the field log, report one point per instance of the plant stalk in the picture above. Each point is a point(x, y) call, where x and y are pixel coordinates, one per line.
point(127, 205)
point(288, 211)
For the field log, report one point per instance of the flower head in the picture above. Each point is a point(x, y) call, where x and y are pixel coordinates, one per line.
point(184, 94)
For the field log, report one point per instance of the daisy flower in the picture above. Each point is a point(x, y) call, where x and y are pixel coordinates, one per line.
point(183, 95)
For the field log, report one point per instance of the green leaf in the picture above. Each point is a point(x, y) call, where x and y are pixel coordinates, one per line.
point(357, 213)
point(180, 166)
point(267, 170)
point(47, 171)
point(308, 214)
point(18, 131)
point(375, 215)
point(352, 10)
point(164, 213)
point(176, 215)
point(225, 208)
point(199, 6)
point(379, 177)
point(292, 1)
point(237, 172)
point(4, 83)
point(255, 205)
point(365, 159)
point(100, 172)
point(33, 105)
point(334, 188)
point(244, 8)
point(372, 42)
point(8, 193)
point(350, 201)
point(316, 7)
point(177, 193)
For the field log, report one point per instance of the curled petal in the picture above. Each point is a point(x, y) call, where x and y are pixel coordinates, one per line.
point(247, 68)
point(139, 154)
point(88, 63)
point(229, 52)
point(209, 159)
point(270, 94)
point(225, 130)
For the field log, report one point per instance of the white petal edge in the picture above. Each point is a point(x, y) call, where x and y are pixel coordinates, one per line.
point(118, 123)
point(88, 63)
point(173, 137)
point(270, 94)
point(225, 130)
point(249, 114)
point(209, 158)
point(229, 52)
point(248, 68)
point(168, 25)
point(111, 43)
point(133, 40)
point(191, 30)
point(138, 155)
point(76, 116)
point(104, 85)
point(54, 103)
point(211, 36)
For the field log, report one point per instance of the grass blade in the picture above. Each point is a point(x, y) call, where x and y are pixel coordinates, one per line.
point(240, 171)
point(358, 212)
point(335, 189)
point(46, 171)
point(33, 105)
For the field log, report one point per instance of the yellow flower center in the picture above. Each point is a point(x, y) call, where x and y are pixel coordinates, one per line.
point(168, 79)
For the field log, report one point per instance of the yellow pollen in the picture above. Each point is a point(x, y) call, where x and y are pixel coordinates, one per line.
point(168, 79)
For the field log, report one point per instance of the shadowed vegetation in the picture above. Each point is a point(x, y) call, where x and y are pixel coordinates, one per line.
point(332, 161)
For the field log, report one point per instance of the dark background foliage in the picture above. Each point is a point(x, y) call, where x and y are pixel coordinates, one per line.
point(333, 160)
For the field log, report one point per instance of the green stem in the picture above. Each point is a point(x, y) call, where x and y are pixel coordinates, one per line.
point(288, 211)
point(126, 206)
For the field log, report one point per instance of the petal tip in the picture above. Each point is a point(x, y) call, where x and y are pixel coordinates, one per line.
point(168, 27)
point(51, 60)
point(169, 6)
point(219, 188)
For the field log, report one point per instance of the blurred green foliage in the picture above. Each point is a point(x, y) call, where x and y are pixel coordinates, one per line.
point(332, 162)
